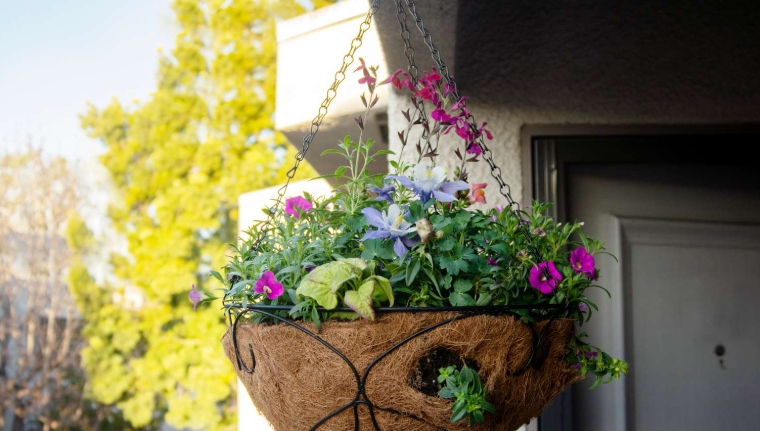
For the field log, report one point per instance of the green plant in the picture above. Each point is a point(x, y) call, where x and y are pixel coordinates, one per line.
point(412, 238)
point(468, 391)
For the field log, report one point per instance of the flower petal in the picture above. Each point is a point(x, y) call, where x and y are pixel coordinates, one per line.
point(453, 186)
point(444, 197)
point(375, 234)
point(374, 217)
point(400, 248)
point(404, 181)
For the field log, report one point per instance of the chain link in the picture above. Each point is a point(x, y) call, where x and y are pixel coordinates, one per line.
point(419, 112)
point(487, 154)
point(340, 75)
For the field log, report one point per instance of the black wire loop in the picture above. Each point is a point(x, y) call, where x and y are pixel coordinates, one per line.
point(535, 359)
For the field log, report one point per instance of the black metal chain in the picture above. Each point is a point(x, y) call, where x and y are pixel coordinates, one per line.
point(443, 69)
point(412, 69)
point(413, 72)
point(340, 75)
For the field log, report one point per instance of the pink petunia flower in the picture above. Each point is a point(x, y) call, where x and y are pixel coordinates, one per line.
point(477, 193)
point(539, 280)
point(268, 285)
point(296, 204)
point(195, 296)
point(582, 262)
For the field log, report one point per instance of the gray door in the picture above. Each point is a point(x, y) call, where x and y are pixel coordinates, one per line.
point(686, 290)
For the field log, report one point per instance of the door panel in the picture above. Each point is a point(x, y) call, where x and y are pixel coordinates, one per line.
point(688, 241)
point(690, 288)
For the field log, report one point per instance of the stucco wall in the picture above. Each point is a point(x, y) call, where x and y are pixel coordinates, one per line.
point(647, 62)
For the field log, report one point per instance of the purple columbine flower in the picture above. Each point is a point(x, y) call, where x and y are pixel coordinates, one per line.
point(582, 262)
point(539, 280)
point(195, 296)
point(384, 194)
point(269, 285)
point(430, 181)
point(390, 224)
point(296, 204)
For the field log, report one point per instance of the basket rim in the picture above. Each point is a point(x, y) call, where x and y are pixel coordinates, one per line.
point(470, 308)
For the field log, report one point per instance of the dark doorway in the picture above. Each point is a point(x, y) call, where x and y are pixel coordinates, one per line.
point(682, 213)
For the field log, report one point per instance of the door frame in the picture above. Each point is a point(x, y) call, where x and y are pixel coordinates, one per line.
point(548, 149)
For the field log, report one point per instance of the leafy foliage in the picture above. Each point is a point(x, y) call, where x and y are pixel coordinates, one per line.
point(179, 160)
point(416, 231)
point(467, 389)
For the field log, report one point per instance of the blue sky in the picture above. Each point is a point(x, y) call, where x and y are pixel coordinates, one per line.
point(56, 55)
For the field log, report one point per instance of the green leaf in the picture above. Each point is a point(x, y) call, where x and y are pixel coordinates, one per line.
point(361, 301)
point(446, 392)
point(383, 291)
point(332, 151)
point(462, 286)
point(458, 299)
point(459, 413)
point(484, 299)
point(383, 152)
point(323, 283)
point(315, 318)
point(411, 271)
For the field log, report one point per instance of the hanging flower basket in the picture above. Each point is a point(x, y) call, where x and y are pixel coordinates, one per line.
point(298, 382)
point(392, 305)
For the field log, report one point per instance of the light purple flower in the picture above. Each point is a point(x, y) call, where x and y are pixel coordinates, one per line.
point(296, 204)
point(195, 296)
point(582, 306)
point(390, 224)
point(539, 280)
point(582, 262)
point(269, 285)
point(384, 194)
point(499, 209)
point(430, 181)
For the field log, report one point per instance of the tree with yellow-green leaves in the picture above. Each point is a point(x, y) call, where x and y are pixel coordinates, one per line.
point(178, 162)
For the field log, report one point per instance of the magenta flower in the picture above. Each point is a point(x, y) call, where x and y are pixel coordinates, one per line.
point(487, 132)
point(430, 79)
point(427, 93)
point(539, 280)
point(296, 204)
point(491, 261)
point(367, 78)
point(440, 115)
point(459, 104)
point(582, 262)
point(195, 296)
point(399, 79)
point(474, 148)
point(269, 285)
